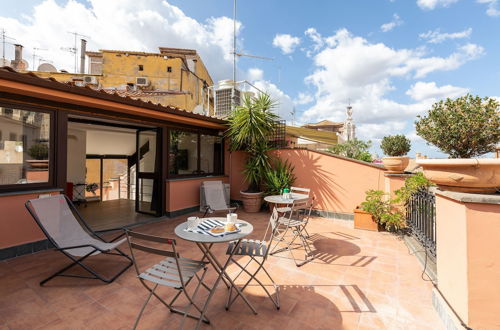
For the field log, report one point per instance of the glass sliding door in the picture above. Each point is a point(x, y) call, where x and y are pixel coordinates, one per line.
point(148, 199)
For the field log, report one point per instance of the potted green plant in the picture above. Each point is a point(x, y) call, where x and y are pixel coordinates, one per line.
point(463, 128)
point(377, 212)
point(250, 126)
point(278, 177)
point(395, 147)
point(40, 154)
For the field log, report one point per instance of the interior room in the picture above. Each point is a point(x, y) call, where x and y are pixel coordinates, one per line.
point(102, 172)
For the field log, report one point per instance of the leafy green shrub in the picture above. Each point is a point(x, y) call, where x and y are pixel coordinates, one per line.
point(250, 126)
point(383, 211)
point(395, 145)
point(278, 177)
point(412, 185)
point(466, 127)
point(39, 151)
point(355, 149)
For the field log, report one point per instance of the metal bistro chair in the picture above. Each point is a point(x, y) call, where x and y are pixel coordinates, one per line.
point(258, 252)
point(173, 271)
point(297, 193)
point(214, 197)
point(55, 215)
point(293, 226)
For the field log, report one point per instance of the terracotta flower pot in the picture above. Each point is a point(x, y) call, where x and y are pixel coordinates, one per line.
point(34, 163)
point(252, 202)
point(478, 176)
point(395, 164)
point(364, 220)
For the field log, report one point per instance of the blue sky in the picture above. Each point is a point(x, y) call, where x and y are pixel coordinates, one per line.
point(392, 59)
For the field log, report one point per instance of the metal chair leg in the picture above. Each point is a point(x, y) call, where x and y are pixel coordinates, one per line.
point(144, 307)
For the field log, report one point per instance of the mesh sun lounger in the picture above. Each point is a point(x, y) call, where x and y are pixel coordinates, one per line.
point(215, 198)
point(55, 216)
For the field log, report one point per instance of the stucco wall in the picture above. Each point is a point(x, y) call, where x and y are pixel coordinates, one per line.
point(16, 224)
point(338, 184)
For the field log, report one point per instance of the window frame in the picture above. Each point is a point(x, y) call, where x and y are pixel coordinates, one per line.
point(198, 132)
point(51, 182)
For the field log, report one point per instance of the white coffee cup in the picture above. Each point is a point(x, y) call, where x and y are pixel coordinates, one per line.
point(192, 222)
point(231, 218)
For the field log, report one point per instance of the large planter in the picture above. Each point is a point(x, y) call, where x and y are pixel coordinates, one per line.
point(364, 220)
point(252, 202)
point(478, 176)
point(35, 163)
point(395, 164)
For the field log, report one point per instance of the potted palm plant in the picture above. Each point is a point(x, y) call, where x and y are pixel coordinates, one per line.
point(250, 126)
point(40, 154)
point(464, 128)
point(395, 147)
point(277, 178)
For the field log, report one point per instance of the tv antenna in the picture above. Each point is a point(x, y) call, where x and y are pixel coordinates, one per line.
point(3, 44)
point(35, 49)
point(293, 116)
point(235, 54)
point(74, 50)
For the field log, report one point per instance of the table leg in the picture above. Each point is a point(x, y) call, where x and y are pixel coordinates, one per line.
point(221, 270)
point(206, 257)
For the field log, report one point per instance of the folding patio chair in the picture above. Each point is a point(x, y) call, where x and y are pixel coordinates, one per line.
point(55, 215)
point(297, 193)
point(173, 271)
point(212, 193)
point(294, 225)
point(258, 252)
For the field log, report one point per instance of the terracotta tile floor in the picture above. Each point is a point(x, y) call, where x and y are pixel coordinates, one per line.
point(359, 280)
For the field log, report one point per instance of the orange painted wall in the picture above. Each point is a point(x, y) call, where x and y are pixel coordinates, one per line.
point(468, 262)
point(483, 233)
point(338, 184)
point(182, 194)
point(16, 224)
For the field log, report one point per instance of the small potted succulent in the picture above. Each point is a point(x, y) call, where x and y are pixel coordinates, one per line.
point(463, 128)
point(395, 147)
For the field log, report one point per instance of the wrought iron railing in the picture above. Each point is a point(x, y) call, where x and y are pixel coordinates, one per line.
point(421, 218)
point(278, 138)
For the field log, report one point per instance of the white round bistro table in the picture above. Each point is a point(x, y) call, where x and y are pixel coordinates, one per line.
point(205, 243)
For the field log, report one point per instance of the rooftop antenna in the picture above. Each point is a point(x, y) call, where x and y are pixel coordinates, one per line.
point(35, 49)
point(293, 116)
point(3, 44)
point(235, 54)
point(74, 50)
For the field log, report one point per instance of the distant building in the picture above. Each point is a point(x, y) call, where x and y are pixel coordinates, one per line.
point(313, 139)
point(344, 132)
point(173, 77)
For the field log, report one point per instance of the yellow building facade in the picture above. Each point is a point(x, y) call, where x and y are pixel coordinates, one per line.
point(172, 77)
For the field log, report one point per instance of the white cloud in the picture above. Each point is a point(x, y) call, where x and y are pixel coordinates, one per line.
point(349, 67)
point(396, 21)
point(437, 37)
point(303, 98)
point(255, 74)
point(284, 103)
point(492, 9)
point(433, 4)
point(421, 91)
point(286, 43)
point(316, 39)
point(123, 24)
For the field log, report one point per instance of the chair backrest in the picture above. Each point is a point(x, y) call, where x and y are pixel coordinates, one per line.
point(300, 192)
point(301, 209)
point(145, 243)
point(271, 227)
point(214, 195)
point(57, 221)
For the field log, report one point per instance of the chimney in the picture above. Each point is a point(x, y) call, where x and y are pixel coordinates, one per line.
point(18, 63)
point(83, 49)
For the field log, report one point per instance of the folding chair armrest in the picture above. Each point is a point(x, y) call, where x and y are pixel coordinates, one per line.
point(235, 206)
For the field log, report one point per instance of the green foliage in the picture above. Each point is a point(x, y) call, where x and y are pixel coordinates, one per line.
point(39, 151)
point(278, 177)
point(395, 145)
point(355, 149)
point(250, 126)
point(466, 127)
point(383, 211)
point(412, 185)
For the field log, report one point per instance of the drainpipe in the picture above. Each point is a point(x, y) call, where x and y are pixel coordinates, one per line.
point(83, 49)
